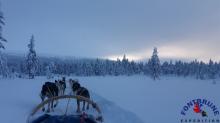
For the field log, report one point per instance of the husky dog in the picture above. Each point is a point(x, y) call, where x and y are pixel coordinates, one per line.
point(71, 82)
point(49, 90)
point(61, 86)
point(80, 91)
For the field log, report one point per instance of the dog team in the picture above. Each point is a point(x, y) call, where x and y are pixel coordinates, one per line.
point(57, 88)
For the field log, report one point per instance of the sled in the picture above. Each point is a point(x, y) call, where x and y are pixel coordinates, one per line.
point(72, 118)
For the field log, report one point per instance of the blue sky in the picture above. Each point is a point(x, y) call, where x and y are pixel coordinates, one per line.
point(181, 29)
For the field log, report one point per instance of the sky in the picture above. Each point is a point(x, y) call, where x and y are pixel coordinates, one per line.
point(180, 29)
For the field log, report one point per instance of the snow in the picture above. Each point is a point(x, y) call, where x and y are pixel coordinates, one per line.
point(134, 99)
point(153, 101)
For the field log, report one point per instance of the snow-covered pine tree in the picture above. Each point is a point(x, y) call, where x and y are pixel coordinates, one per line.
point(109, 70)
point(50, 69)
point(1, 24)
point(31, 61)
point(89, 70)
point(165, 68)
point(97, 68)
point(201, 71)
point(154, 65)
point(146, 68)
point(118, 68)
point(4, 71)
point(48, 72)
point(171, 67)
point(125, 65)
point(140, 68)
point(133, 68)
point(179, 68)
point(212, 70)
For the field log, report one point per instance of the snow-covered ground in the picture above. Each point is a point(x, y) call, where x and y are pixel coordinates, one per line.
point(122, 99)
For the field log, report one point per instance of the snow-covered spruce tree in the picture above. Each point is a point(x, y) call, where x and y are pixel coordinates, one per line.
point(133, 69)
point(125, 64)
point(89, 70)
point(179, 68)
point(50, 69)
point(31, 61)
point(154, 65)
point(165, 68)
point(97, 68)
point(201, 71)
point(1, 24)
point(48, 72)
point(109, 68)
point(118, 68)
point(4, 71)
point(212, 70)
point(146, 69)
point(140, 68)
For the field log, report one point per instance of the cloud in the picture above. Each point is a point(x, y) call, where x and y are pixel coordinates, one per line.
point(180, 29)
point(186, 49)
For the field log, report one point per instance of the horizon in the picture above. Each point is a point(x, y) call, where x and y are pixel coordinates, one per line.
point(144, 60)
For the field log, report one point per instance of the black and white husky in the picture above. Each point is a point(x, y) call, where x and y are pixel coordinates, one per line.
point(80, 91)
point(49, 90)
point(61, 86)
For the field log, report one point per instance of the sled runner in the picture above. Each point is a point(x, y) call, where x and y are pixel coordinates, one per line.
point(73, 118)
